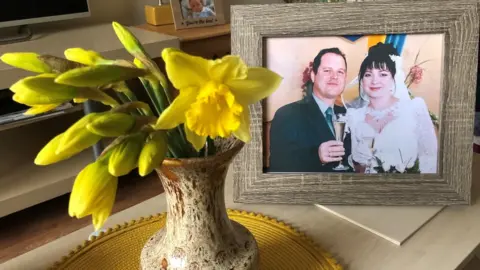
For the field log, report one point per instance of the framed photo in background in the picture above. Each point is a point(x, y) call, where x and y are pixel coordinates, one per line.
point(376, 106)
point(197, 13)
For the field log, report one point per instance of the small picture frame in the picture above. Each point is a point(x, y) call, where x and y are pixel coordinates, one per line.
point(376, 106)
point(197, 13)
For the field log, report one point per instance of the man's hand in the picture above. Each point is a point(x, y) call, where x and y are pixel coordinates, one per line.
point(331, 151)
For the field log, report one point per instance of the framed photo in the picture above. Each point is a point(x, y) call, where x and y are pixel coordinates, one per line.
point(197, 13)
point(376, 106)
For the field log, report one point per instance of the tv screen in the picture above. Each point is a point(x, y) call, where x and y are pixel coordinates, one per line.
point(18, 12)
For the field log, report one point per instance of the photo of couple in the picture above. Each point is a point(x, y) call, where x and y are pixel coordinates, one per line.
point(359, 108)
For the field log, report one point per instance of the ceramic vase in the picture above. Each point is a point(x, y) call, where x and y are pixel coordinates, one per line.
point(198, 233)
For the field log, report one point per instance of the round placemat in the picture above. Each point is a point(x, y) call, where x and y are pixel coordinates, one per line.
point(280, 246)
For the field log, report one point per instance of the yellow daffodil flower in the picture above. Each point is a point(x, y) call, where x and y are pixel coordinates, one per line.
point(26, 61)
point(93, 193)
point(214, 95)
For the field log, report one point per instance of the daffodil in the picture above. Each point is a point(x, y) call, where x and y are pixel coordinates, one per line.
point(78, 137)
point(214, 95)
point(27, 61)
point(112, 124)
point(48, 154)
point(93, 193)
point(82, 56)
point(153, 152)
point(124, 156)
point(43, 90)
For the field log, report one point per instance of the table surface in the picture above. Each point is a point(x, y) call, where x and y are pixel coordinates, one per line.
point(442, 244)
point(189, 34)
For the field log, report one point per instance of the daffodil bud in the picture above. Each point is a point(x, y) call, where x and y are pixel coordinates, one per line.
point(93, 193)
point(45, 84)
point(112, 124)
point(38, 109)
point(78, 137)
point(129, 41)
point(48, 155)
point(80, 55)
point(124, 157)
point(98, 75)
point(27, 61)
point(153, 152)
point(41, 90)
point(58, 64)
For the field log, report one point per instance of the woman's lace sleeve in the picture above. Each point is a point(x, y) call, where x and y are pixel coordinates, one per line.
point(427, 138)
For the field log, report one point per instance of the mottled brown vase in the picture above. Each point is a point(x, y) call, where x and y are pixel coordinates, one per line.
point(198, 234)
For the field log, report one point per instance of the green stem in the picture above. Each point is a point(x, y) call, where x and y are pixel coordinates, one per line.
point(127, 95)
point(151, 94)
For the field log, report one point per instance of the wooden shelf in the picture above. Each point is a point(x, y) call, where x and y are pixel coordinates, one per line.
point(189, 34)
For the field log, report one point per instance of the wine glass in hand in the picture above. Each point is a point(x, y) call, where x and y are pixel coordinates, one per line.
point(339, 127)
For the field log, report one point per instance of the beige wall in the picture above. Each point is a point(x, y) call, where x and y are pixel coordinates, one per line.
point(131, 12)
point(290, 56)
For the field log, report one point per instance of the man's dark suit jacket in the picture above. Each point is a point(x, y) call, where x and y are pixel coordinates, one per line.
point(296, 133)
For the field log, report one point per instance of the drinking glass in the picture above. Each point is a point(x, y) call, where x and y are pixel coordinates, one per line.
point(370, 142)
point(339, 128)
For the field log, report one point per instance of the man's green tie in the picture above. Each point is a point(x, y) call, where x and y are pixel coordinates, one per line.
point(329, 116)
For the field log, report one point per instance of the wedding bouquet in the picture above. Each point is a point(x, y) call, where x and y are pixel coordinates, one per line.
point(213, 101)
point(388, 163)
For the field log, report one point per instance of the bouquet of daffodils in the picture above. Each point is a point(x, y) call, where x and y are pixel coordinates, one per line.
point(212, 101)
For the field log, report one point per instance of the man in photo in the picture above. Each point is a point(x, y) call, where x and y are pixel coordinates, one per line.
point(302, 136)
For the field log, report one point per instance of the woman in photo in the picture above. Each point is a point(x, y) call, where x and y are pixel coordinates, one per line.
point(392, 133)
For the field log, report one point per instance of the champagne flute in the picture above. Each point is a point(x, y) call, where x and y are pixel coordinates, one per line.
point(339, 128)
point(370, 141)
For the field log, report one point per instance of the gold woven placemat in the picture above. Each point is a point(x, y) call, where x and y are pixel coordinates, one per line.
point(280, 246)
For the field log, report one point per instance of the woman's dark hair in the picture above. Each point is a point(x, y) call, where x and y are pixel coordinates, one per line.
point(379, 58)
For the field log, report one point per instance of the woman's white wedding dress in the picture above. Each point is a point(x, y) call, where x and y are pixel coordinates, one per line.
point(408, 136)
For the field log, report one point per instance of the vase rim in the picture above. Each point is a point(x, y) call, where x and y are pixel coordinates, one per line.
point(195, 161)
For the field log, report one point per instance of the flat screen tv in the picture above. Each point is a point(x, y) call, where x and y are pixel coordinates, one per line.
point(27, 12)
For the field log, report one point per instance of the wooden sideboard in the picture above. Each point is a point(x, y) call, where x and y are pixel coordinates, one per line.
point(209, 42)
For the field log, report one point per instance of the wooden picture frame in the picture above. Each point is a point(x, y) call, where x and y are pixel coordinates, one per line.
point(185, 16)
point(253, 25)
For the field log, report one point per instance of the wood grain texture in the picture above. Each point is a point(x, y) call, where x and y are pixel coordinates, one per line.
point(190, 34)
point(457, 20)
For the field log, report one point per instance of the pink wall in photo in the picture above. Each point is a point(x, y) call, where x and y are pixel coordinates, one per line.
point(290, 56)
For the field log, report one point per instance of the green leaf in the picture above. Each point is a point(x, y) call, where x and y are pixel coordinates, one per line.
point(95, 76)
